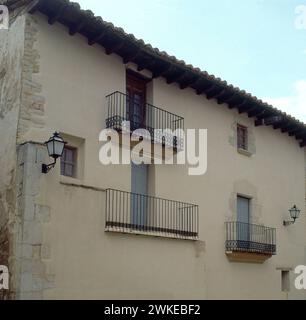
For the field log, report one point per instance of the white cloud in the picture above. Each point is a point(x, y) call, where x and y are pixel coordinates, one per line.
point(295, 105)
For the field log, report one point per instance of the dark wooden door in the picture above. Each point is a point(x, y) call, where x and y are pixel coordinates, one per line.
point(136, 101)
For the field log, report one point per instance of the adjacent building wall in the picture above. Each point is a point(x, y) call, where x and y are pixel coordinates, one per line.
point(20, 107)
point(11, 58)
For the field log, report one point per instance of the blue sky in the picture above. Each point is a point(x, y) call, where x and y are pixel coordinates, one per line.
point(252, 44)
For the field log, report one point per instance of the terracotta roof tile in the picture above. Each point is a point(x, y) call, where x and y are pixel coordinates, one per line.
point(164, 56)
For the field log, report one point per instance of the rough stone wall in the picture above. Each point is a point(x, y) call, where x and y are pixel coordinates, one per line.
point(4, 256)
point(11, 56)
point(31, 275)
point(32, 101)
point(21, 108)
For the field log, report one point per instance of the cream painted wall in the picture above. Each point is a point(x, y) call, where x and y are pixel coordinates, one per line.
point(273, 177)
point(89, 263)
point(86, 261)
point(76, 79)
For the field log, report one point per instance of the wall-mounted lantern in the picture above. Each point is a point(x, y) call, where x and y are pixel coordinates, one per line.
point(294, 214)
point(55, 146)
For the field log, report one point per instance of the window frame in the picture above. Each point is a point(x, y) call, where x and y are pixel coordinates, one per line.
point(72, 163)
point(285, 281)
point(242, 137)
point(249, 200)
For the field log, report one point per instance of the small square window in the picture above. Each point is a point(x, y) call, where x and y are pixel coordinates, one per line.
point(285, 281)
point(68, 162)
point(242, 137)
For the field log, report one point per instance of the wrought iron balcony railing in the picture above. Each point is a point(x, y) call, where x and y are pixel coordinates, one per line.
point(142, 116)
point(129, 212)
point(244, 237)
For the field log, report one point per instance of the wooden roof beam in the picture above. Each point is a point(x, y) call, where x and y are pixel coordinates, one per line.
point(210, 90)
point(265, 114)
point(259, 122)
point(239, 105)
point(255, 113)
point(268, 120)
point(58, 14)
point(146, 65)
point(295, 131)
point(177, 78)
point(232, 104)
point(287, 128)
point(162, 72)
point(281, 124)
point(203, 90)
point(189, 83)
point(303, 144)
point(301, 135)
point(261, 117)
point(214, 95)
point(114, 48)
point(78, 27)
point(246, 108)
point(97, 38)
point(131, 57)
point(228, 99)
point(274, 121)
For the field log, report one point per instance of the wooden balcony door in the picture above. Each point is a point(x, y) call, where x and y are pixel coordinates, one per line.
point(136, 101)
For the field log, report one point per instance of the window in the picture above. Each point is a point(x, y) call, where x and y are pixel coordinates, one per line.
point(285, 281)
point(68, 162)
point(242, 137)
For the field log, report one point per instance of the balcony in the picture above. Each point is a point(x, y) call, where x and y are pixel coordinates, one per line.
point(249, 243)
point(141, 214)
point(143, 116)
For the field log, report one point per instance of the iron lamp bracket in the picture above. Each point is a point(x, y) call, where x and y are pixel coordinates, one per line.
point(47, 167)
point(288, 223)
